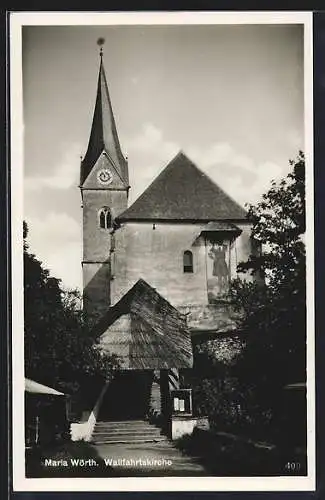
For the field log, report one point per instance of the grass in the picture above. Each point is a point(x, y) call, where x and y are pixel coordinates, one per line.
point(226, 455)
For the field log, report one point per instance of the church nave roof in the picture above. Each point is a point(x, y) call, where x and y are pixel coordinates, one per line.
point(182, 192)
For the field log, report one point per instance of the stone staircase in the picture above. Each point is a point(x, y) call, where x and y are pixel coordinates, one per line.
point(126, 431)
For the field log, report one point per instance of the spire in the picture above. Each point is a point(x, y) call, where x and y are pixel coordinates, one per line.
point(103, 135)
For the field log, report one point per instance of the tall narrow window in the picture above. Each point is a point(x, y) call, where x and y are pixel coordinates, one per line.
point(105, 218)
point(188, 261)
point(102, 219)
point(108, 218)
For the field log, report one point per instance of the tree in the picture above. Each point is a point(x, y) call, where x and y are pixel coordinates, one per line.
point(245, 392)
point(278, 224)
point(59, 349)
point(274, 309)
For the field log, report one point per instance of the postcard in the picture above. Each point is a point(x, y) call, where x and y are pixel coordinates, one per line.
point(162, 251)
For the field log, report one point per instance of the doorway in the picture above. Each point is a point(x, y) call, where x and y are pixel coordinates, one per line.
point(127, 396)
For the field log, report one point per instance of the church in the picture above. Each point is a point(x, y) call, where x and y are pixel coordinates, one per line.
point(155, 273)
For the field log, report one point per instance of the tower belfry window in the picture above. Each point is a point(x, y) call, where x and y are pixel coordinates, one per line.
point(105, 218)
point(188, 261)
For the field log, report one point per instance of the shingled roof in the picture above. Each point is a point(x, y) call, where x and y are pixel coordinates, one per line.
point(183, 192)
point(221, 227)
point(145, 331)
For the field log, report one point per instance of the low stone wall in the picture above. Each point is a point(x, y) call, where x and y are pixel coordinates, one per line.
point(219, 317)
point(83, 431)
point(182, 425)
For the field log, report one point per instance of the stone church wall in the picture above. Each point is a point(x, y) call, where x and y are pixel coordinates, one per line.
point(220, 317)
point(96, 240)
point(156, 255)
point(97, 246)
point(96, 291)
point(154, 252)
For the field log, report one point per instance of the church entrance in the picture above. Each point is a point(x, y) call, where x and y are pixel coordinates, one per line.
point(127, 396)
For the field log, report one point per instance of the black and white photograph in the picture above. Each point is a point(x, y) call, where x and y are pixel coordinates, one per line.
point(162, 231)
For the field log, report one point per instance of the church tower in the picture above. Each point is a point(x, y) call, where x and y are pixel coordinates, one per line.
point(104, 184)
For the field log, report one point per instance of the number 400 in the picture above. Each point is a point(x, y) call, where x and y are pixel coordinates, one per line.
point(292, 466)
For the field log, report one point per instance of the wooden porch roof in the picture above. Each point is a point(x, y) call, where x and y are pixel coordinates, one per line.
point(145, 331)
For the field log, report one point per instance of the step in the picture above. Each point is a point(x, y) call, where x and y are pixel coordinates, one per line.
point(122, 422)
point(131, 426)
point(126, 436)
point(117, 440)
point(127, 433)
point(127, 427)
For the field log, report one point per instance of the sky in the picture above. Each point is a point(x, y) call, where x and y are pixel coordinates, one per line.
point(230, 96)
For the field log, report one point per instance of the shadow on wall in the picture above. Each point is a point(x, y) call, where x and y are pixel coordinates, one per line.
point(96, 293)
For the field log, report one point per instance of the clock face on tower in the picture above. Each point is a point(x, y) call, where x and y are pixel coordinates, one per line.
point(105, 176)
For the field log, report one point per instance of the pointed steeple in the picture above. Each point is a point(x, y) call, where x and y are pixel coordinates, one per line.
point(103, 136)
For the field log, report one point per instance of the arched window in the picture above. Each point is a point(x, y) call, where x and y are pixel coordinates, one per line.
point(105, 218)
point(188, 261)
point(102, 219)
